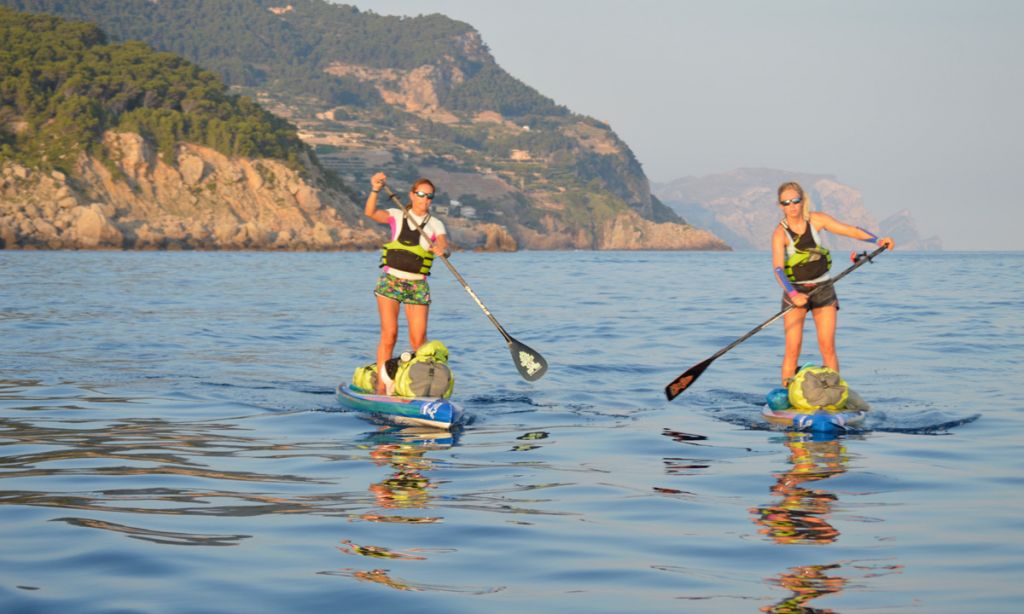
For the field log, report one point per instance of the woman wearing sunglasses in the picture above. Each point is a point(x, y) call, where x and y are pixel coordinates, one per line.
point(801, 265)
point(415, 238)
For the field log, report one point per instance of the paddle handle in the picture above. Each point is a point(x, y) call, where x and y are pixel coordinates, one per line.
point(861, 259)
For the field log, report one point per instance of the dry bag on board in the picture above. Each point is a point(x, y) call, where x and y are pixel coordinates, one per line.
point(818, 388)
point(423, 374)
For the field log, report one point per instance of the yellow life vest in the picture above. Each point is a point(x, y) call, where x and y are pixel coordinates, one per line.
point(405, 252)
point(805, 263)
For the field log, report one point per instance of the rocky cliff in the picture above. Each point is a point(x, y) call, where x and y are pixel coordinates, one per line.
point(740, 206)
point(204, 200)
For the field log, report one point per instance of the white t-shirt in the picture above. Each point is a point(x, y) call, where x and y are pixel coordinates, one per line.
point(433, 229)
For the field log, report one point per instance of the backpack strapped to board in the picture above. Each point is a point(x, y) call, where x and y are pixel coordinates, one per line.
point(424, 374)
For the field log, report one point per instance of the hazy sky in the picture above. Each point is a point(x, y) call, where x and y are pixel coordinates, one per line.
point(917, 103)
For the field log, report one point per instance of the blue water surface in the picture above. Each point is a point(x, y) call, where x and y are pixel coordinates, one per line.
point(170, 440)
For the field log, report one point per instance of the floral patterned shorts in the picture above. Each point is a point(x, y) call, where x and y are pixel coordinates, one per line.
point(408, 291)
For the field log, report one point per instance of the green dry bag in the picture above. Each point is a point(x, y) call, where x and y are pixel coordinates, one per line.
point(814, 388)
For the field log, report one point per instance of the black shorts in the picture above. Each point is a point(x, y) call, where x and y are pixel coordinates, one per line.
point(822, 298)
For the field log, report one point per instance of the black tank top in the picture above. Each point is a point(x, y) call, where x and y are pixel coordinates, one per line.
point(802, 242)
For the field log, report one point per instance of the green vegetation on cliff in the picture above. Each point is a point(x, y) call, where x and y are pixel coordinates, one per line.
point(62, 85)
point(250, 45)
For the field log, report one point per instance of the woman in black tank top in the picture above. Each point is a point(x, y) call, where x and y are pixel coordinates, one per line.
point(799, 227)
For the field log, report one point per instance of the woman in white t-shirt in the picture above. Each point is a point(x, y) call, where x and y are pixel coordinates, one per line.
point(415, 239)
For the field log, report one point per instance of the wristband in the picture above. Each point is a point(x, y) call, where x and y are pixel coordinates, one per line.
point(375, 191)
point(788, 287)
point(871, 236)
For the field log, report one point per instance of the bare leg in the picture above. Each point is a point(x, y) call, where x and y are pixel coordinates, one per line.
point(794, 324)
point(417, 318)
point(388, 310)
point(825, 323)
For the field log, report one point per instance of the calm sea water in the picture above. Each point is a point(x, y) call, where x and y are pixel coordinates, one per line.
point(170, 440)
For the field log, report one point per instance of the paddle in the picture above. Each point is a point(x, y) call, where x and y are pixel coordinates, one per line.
point(683, 382)
point(529, 363)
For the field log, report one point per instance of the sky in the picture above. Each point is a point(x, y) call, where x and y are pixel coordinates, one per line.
point(919, 104)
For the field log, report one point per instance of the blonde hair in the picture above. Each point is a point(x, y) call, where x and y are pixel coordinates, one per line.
point(806, 200)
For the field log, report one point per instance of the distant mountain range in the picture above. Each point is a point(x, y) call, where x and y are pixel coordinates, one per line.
point(739, 206)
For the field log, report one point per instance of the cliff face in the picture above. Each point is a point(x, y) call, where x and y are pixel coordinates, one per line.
point(204, 201)
point(740, 206)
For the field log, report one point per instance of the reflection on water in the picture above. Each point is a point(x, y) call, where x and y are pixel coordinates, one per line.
point(801, 514)
point(378, 552)
point(801, 517)
point(385, 578)
point(149, 448)
point(806, 583)
point(408, 487)
point(403, 451)
point(158, 537)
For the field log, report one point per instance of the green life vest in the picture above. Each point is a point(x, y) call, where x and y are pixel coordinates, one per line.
point(808, 259)
point(405, 252)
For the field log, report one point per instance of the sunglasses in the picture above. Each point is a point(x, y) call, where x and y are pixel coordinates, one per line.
point(427, 195)
point(791, 201)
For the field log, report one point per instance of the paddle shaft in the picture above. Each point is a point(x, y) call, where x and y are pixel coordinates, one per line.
point(681, 383)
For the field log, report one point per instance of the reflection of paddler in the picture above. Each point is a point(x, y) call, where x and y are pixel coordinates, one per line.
point(378, 552)
point(380, 576)
point(807, 583)
point(407, 487)
point(402, 490)
point(799, 517)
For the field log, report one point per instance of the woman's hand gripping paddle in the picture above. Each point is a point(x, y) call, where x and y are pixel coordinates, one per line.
point(530, 364)
point(681, 383)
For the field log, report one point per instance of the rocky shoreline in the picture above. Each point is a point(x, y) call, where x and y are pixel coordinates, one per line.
point(207, 201)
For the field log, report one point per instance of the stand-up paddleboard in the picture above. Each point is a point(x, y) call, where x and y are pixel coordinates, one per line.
point(778, 411)
point(819, 421)
point(436, 413)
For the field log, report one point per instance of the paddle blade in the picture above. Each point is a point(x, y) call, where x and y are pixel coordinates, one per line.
point(681, 383)
point(530, 364)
